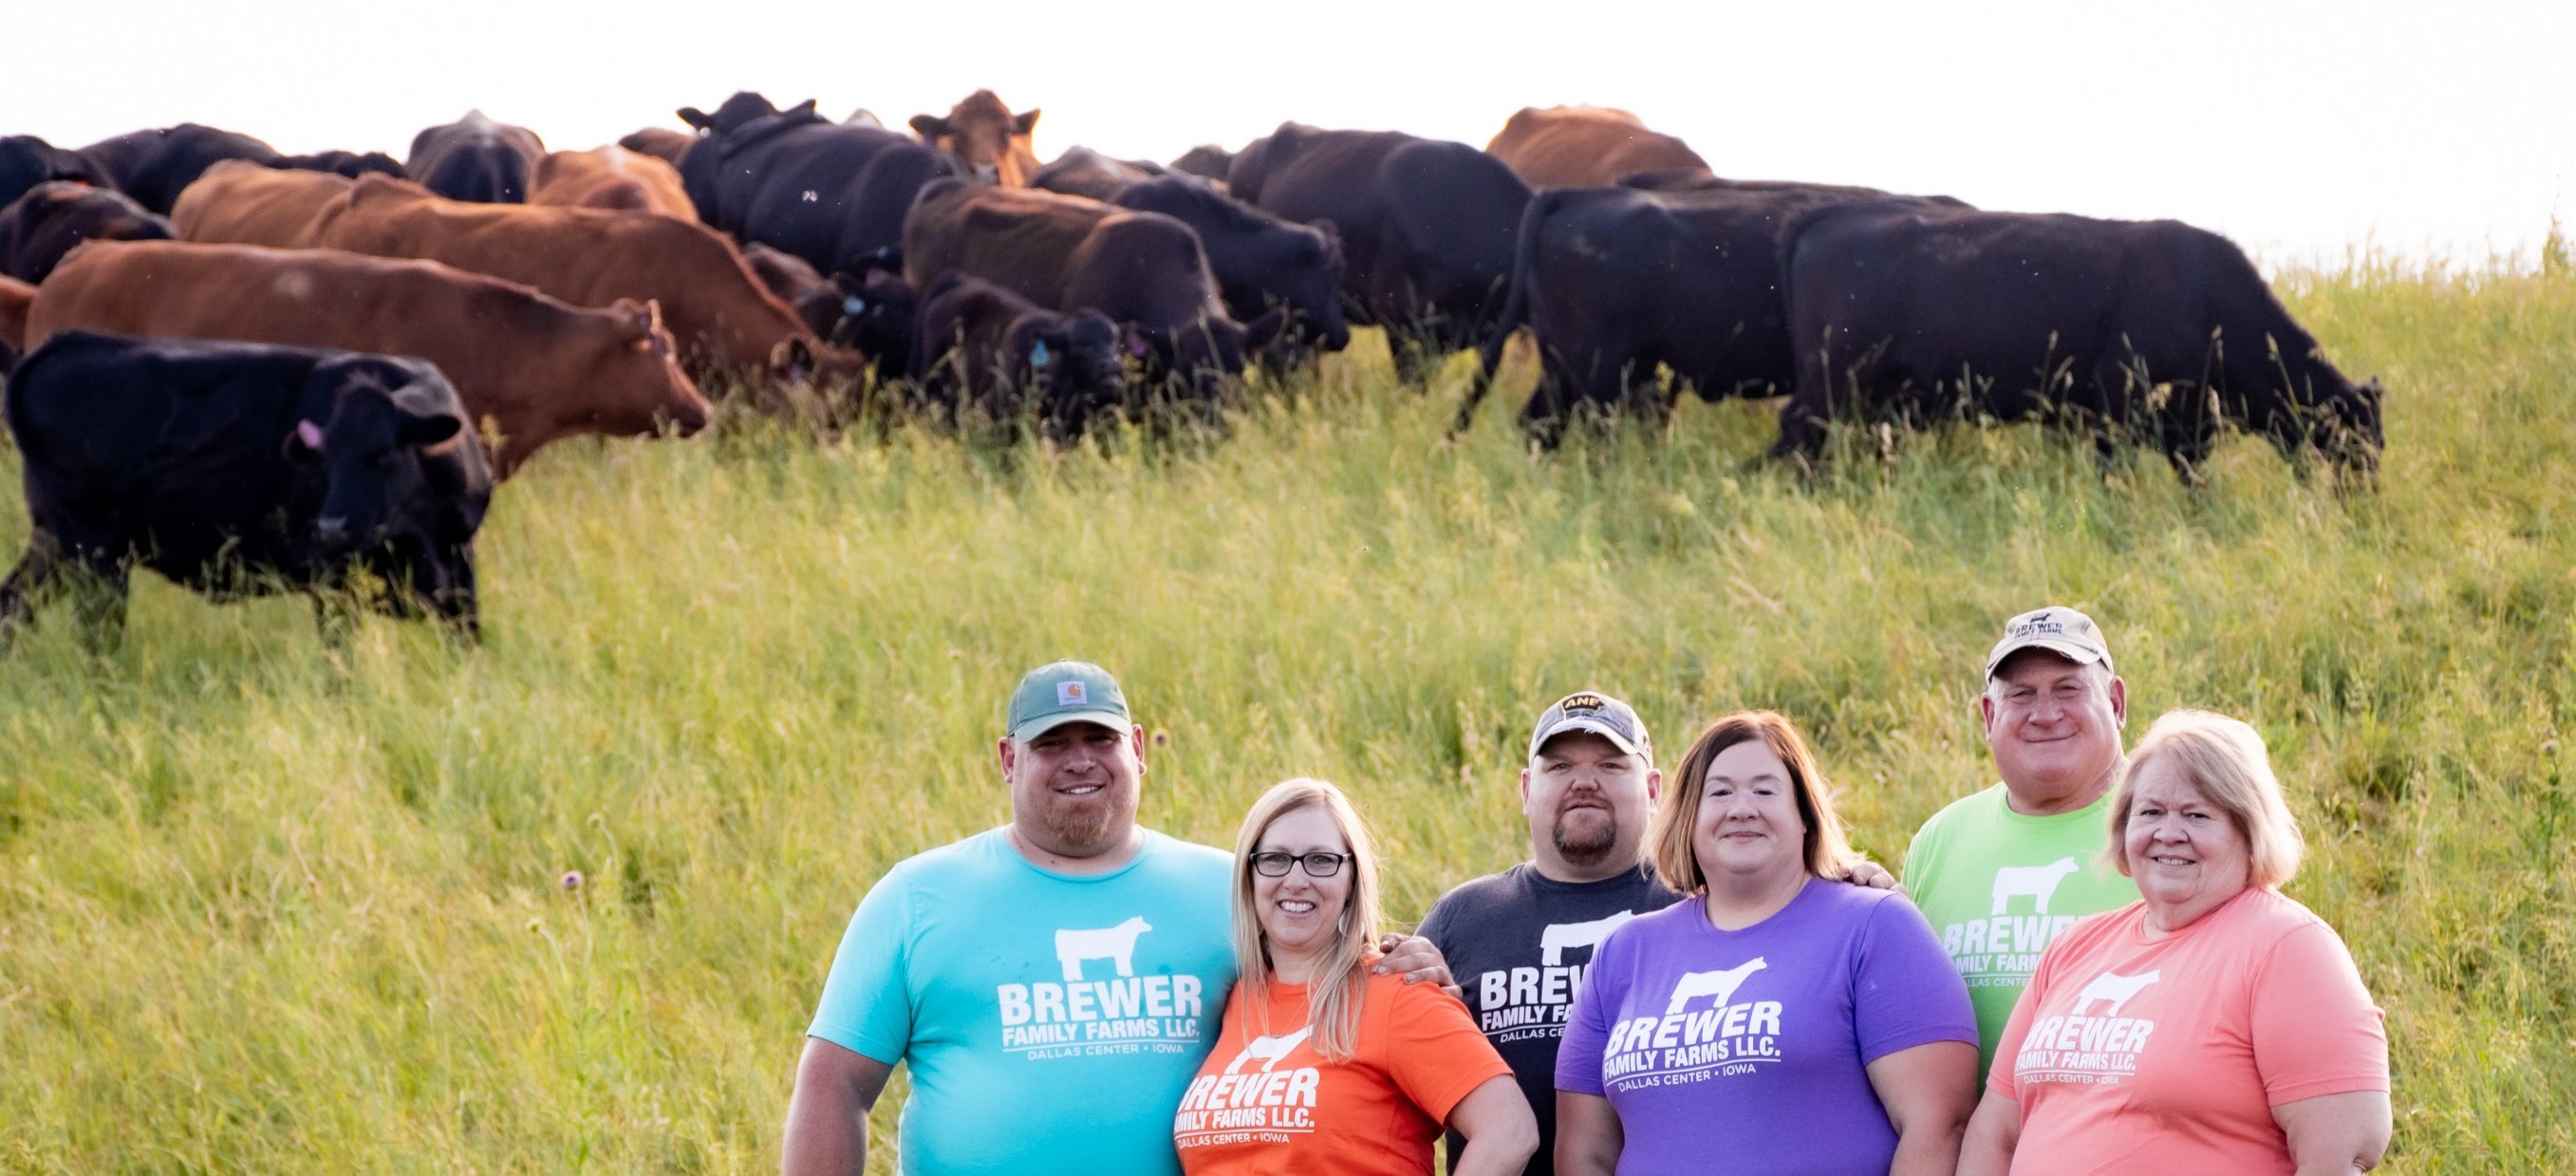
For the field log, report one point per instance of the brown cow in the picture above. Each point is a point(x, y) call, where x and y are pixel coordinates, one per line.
point(986, 138)
point(661, 143)
point(1070, 253)
point(1585, 147)
point(242, 203)
point(15, 297)
point(585, 256)
point(533, 368)
point(611, 177)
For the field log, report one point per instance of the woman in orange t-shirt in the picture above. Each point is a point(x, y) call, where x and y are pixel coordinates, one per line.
point(1320, 1067)
point(2213, 1026)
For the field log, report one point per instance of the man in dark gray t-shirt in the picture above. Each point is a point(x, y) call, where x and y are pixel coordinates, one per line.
point(1520, 941)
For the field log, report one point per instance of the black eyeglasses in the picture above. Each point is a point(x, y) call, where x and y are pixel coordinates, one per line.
point(1273, 864)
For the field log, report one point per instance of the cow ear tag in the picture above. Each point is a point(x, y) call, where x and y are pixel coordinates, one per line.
point(1038, 355)
point(310, 434)
point(854, 305)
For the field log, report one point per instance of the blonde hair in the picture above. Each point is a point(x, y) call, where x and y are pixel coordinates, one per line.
point(2225, 759)
point(1341, 980)
point(1827, 851)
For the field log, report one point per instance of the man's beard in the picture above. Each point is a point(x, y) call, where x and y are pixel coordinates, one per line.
point(1078, 827)
point(1591, 842)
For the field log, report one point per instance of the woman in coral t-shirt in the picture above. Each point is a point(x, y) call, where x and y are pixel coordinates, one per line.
point(1319, 1066)
point(2213, 1026)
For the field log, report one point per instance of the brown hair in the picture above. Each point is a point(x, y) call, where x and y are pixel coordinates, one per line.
point(2225, 759)
point(1828, 853)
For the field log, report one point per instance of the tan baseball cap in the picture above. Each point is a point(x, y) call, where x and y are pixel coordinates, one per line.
point(2062, 631)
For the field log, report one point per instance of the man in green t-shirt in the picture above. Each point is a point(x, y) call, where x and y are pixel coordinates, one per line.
point(2004, 871)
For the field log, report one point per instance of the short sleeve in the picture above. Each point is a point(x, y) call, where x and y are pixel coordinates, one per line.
point(867, 1006)
point(1905, 991)
point(1438, 1054)
point(1587, 1027)
point(2314, 1027)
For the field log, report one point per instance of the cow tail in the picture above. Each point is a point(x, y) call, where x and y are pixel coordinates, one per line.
point(1489, 355)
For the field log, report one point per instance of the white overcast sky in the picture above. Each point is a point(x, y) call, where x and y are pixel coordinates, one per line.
point(2444, 128)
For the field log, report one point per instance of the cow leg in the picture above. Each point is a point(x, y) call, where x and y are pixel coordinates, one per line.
point(99, 589)
point(35, 581)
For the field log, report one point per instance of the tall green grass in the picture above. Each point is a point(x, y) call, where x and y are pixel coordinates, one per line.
point(267, 907)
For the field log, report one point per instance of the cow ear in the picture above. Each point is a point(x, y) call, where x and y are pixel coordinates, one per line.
point(305, 441)
point(802, 110)
point(427, 430)
point(792, 359)
point(1025, 122)
point(1260, 333)
point(697, 118)
point(930, 127)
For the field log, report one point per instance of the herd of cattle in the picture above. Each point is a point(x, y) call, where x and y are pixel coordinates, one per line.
point(210, 327)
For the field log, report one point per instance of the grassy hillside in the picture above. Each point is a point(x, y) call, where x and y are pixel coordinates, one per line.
point(265, 909)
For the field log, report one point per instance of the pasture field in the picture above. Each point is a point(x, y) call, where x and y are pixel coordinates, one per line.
point(268, 908)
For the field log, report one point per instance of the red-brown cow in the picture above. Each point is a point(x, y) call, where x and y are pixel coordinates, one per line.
point(532, 368)
point(611, 177)
point(988, 141)
point(1585, 147)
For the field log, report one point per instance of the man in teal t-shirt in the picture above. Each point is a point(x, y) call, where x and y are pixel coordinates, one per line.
point(1054, 984)
point(2002, 872)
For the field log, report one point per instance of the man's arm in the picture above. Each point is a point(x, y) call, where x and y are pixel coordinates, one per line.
point(1416, 959)
point(827, 1118)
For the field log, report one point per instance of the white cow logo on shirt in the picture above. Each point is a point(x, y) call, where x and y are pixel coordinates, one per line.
point(2039, 882)
point(2115, 989)
point(1559, 936)
point(1115, 944)
point(1268, 1050)
point(1722, 985)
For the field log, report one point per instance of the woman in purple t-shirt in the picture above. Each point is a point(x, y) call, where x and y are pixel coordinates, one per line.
point(1783, 1024)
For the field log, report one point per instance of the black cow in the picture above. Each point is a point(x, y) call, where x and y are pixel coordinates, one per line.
point(56, 215)
point(237, 468)
point(793, 180)
point(477, 159)
point(870, 313)
point(1260, 261)
point(26, 161)
point(1613, 281)
point(2150, 331)
point(1206, 159)
point(984, 352)
point(1081, 171)
point(1426, 224)
point(154, 166)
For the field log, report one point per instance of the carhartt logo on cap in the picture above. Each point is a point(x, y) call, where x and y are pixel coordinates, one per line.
point(1065, 692)
point(1068, 693)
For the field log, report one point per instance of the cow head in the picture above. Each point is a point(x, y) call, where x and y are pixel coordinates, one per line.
point(986, 139)
point(2346, 427)
point(1311, 289)
point(744, 107)
point(638, 380)
point(1075, 365)
point(873, 314)
point(370, 449)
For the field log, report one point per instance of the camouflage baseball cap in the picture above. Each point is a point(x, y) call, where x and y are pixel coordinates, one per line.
point(1598, 713)
point(1066, 692)
point(2062, 631)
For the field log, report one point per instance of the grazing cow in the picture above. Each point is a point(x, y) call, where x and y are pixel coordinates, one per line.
point(241, 203)
point(26, 161)
point(1426, 226)
point(1260, 261)
point(534, 368)
point(155, 166)
point(1614, 281)
point(713, 304)
point(985, 138)
point(611, 177)
point(870, 313)
point(15, 299)
point(1585, 146)
point(833, 195)
point(237, 468)
point(1006, 358)
point(2150, 331)
point(1081, 171)
point(1067, 253)
point(1207, 160)
point(661, 143)
point(476, 159)
point(56, 215)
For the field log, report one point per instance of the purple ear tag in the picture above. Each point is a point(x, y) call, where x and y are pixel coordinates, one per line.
point(310, 434)
point(1136, 346)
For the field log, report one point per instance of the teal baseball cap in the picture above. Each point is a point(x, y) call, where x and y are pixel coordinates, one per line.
point(1066, 692)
